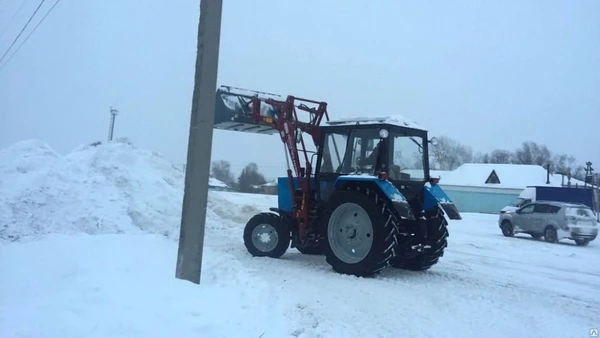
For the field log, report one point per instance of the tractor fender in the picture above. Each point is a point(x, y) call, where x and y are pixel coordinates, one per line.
point(435, 196)
point(386, 187)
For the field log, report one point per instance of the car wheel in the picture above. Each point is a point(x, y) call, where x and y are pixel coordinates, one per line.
point(582, 242)
point(550, 235)
point(507, 229)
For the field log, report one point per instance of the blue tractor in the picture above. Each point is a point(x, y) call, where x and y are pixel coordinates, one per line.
point(370, 202)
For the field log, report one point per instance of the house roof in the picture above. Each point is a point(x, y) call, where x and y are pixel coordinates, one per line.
point(511, 176)
point(270, 184)
point(213, 182)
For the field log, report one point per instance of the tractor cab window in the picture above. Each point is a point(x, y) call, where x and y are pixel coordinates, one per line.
point(406, 162)
point(333, 152)
point(366, 153)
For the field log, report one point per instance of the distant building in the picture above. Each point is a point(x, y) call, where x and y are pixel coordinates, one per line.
point(215, 184)
point(488, 187)
point(269, 188)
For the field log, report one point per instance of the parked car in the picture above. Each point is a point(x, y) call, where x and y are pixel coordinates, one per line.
point(552, 220)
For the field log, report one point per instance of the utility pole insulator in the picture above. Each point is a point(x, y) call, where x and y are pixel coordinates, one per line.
point(111, 127)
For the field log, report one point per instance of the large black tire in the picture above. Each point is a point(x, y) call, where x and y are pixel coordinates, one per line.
point(368, 222)
point(267, 235)
point(433, 245)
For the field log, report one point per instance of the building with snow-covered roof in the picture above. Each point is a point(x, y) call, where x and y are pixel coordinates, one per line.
point(215, 184)
point(269, 188)
point(488, 187)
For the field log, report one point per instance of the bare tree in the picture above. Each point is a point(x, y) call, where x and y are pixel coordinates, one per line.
point(221, 170)
point(501, 156)
point(480, 157)
point(562, 164)
point(578, 173)
point(449, 154)
point(533, 153)
point(250, 176)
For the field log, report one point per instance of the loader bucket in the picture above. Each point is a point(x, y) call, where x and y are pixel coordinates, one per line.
point(233, 108)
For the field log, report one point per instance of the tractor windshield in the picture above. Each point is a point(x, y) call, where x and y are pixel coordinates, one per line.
point(365, 152)
point(407, 159)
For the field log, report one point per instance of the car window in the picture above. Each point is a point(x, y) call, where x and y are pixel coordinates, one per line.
point(541, 209)
point(578, 212)
point(554, 209)
point(527, 209)
point(517, 202)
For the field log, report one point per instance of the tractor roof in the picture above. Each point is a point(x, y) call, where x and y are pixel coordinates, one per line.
point(396, 120)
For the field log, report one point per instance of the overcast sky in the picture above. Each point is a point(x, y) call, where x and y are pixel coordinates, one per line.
point(490, 74)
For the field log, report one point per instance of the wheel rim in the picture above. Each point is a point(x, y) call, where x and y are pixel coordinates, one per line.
point(350, 233)
point(264, 237)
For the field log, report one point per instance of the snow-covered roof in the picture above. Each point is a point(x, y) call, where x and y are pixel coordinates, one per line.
point(397, 120)
point(511, 176)
point(213, 182)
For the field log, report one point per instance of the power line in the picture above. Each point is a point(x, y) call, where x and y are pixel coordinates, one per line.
point(30, 33)
point(22, 30)
point(13, 18)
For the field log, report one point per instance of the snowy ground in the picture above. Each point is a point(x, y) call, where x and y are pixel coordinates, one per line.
point(88, 248)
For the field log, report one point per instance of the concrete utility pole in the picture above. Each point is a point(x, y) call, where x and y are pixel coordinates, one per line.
point(111, 127)
point(193, 216)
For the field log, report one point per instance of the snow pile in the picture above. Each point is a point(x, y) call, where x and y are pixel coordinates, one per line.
point(99, 188)
point(118, 285)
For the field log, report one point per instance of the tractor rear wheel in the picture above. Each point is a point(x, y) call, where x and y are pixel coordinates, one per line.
point(361, 233)
point(267, 235)
point(433, 245)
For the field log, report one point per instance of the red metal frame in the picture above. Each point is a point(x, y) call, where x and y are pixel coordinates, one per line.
point(289, 127)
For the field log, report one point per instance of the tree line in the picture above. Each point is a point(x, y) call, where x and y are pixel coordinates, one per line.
point(446, 154)
point(246, 180)
point(449, 154)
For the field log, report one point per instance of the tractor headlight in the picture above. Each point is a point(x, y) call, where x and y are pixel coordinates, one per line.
point(383, 133)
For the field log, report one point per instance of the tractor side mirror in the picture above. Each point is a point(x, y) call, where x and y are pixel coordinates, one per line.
point(433, 141)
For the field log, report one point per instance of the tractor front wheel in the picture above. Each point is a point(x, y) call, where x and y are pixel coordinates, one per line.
point(360, 233)
point(267, 235)
point(432, 248)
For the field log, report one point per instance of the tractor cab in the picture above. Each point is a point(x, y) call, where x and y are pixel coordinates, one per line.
point(391, 148)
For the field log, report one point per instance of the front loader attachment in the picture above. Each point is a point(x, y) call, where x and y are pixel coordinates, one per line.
point(233, 110)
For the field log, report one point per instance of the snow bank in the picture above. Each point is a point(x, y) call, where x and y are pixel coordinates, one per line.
point(75, 285)
point(104, 188)
point(117, 285)
point(124, 286)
